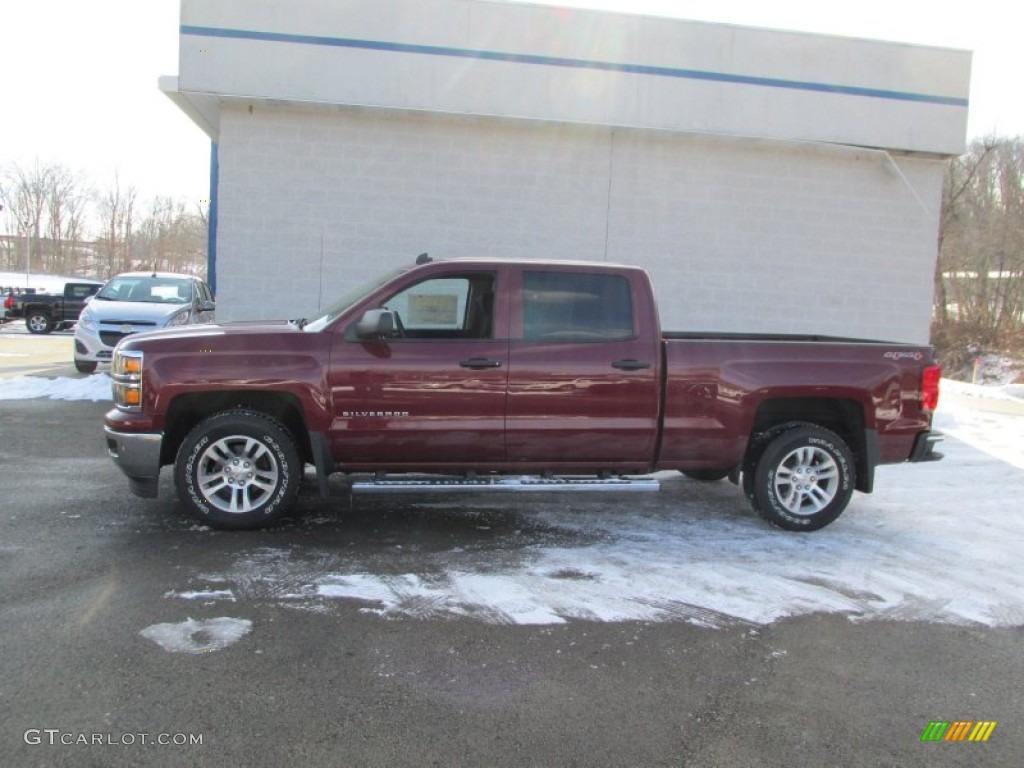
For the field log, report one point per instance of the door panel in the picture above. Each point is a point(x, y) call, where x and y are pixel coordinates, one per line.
point(583, 376)
point(434, 396)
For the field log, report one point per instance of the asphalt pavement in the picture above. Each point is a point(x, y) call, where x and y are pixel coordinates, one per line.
point(26, 354)
point(107, 658)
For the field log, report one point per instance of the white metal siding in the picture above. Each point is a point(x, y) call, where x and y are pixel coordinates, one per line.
point(737, 235)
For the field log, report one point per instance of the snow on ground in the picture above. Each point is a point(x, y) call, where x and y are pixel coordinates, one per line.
point(193, 636)
point(987, 418)
point(997, 370)
point(95, 387)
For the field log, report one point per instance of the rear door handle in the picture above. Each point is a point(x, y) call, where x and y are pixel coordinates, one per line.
point(630, 365)
point(480, 363)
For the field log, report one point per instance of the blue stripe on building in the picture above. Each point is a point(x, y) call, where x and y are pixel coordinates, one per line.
point(554, 61)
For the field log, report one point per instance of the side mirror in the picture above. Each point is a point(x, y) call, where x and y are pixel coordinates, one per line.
point(87, 299)
point(207, 306)
point(376, 324)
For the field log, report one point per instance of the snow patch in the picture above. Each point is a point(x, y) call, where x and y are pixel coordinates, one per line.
point(982, 391)
point(990, 419)
point(998, 370)
point(191, 636)
point(209, 594)
point(95, 387)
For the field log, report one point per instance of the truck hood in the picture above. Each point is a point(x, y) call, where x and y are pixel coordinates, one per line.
point(218, 330)
point(246, 355)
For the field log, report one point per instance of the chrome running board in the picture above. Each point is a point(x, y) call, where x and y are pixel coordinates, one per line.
point(515, 484)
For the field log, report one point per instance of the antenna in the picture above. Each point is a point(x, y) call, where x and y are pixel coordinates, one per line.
point(320, 294)
point(423, 258)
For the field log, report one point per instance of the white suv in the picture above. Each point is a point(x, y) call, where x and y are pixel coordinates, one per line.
point(138, 301)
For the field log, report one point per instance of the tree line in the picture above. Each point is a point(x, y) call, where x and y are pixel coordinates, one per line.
point(979, 274)
point(55, 222)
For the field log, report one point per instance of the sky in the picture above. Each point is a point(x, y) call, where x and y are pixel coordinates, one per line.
point(78, 81)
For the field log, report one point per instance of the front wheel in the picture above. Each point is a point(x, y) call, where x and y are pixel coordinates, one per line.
point(238, 469)
point(85, 366)
point(38, 322)
point(803, 479)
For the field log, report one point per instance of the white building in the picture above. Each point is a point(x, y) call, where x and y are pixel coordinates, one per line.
point(769, 181)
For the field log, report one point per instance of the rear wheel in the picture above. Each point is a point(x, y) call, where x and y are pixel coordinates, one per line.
point(85, 366)
point(38, 322)
point(238, 469)
point(803, 478)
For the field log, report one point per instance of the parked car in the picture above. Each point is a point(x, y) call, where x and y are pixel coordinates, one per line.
point(493, 371)
point(48, 312)
point(134, 302)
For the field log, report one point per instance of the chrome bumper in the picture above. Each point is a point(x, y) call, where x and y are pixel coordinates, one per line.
point(138, 456)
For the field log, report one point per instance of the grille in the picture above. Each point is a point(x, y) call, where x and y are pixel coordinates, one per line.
point(110, 338)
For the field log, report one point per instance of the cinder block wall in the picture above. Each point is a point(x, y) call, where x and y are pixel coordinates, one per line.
point(739, 235)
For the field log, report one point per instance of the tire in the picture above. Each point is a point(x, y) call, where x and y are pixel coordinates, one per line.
point(38, 322)
point(757, 445)
point(238, 470)
point(85, 366)
point(705, 475)
point(803, 478)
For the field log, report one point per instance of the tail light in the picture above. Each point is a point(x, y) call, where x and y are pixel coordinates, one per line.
point(930, 387)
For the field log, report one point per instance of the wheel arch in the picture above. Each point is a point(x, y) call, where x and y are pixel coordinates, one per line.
point(187, 410)
point(39, 310)
point(844, 416)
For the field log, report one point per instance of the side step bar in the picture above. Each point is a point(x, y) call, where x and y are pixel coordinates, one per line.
point(516, 484)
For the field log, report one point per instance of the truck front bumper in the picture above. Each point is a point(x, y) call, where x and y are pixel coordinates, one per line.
point(137, 454)
point(924, 447)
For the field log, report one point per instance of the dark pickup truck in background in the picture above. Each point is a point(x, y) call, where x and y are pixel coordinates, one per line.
point(48, 312)
point(511, 376)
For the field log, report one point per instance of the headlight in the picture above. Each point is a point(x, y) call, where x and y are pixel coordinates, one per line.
point(126, 373)
point(87, 320)
point(179, 318)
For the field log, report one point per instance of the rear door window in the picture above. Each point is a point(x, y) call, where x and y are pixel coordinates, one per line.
point(576, 306)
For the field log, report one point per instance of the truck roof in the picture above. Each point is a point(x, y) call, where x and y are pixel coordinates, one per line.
point(519, 261)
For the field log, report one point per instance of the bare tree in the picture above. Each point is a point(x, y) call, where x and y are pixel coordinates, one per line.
point(172, 238)
point(979, 281)
point(65, 225)
point(75, 231)
point(117, 216)
point(24, 201)
point(44, 207)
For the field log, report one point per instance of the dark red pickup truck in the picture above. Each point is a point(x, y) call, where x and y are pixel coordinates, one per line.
point(511, 375)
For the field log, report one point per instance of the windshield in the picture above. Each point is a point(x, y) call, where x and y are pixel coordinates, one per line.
point(350, 298)
point(149, 290)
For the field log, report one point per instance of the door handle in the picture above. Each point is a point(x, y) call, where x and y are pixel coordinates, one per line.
point(480, 363)
point(630, 365)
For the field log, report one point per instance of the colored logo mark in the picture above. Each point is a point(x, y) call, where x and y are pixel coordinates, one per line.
point(958, 730)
